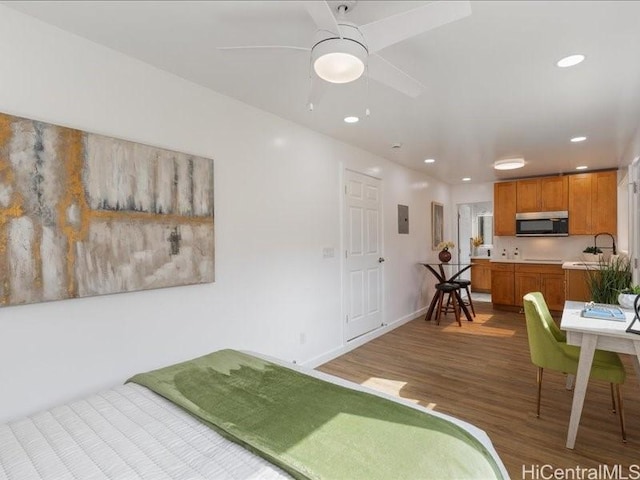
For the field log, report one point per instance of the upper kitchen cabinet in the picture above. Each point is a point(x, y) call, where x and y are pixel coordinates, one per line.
point(546, 194)
point(593, 203)
point(504, 208)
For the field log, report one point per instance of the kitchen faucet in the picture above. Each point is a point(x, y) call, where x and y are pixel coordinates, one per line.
point(613, 240)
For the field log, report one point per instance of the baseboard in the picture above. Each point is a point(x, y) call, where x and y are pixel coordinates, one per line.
point(359, 341)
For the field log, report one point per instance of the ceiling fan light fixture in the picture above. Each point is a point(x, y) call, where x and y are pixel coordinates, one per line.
point(570, 61)
point(339, 60)
point(509, 164)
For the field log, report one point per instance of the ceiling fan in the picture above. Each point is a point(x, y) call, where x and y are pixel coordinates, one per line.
point(343, 51)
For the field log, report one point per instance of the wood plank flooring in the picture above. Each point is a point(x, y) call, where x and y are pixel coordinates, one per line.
point(482, 373)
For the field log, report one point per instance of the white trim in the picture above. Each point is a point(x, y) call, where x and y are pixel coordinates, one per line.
point(361, 340)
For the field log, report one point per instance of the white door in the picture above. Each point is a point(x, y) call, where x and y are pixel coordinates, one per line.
point(363, 254)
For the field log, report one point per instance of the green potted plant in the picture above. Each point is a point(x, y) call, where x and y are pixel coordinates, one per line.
point(591, 254)
point(627, 297)
point(608, 279)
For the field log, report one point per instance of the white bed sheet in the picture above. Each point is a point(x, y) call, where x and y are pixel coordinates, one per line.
point(125, 433)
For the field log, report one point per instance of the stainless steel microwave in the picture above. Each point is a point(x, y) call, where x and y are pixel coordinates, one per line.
point(542, 224)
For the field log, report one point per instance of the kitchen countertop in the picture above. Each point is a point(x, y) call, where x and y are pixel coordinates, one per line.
point(578, 265)
point(566, 264)
point(547, 261)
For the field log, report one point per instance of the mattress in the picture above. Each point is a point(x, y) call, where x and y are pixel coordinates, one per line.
point(129, 432)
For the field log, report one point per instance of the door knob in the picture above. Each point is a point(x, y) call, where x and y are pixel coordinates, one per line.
point(380, 260)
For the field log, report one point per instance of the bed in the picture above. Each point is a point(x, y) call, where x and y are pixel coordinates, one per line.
point(235, 415)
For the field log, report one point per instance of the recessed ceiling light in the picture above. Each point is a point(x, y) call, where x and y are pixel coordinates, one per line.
point(570, 61)
point(581, 167)
point(578, 139)
point(429, 160)
point(466, 179)
point(509, 164)
point(351, 119)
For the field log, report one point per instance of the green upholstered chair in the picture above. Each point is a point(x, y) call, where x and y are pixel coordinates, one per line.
point(549, 349)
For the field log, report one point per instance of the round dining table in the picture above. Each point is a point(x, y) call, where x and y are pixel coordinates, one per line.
point(447, 273)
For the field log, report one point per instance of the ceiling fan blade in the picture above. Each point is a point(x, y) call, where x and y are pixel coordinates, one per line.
point(394, 29)
point(323, 17)
point(264, 47)
point(388, 74)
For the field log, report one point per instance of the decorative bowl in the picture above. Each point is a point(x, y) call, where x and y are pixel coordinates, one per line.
point(626, 300)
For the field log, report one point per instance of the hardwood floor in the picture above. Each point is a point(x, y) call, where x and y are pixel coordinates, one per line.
point(482, 373)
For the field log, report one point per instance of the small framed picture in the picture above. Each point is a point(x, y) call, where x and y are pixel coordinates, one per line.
point(437, 224)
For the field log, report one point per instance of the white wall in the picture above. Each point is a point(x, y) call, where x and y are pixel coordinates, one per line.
point(277, 205)
point(474, 193)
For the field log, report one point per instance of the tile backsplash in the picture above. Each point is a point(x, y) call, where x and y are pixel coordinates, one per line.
point(548, 248)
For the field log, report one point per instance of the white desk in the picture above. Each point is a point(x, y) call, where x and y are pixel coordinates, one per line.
point(589, 334)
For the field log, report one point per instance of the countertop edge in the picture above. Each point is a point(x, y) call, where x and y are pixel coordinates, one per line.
point(536, 261)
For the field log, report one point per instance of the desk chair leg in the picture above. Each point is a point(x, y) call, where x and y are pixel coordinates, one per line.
point(613, 399)
point(621, 411)
point(539, 380)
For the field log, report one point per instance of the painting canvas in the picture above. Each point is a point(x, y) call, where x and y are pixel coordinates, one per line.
point(83, 214)
point(437, 224)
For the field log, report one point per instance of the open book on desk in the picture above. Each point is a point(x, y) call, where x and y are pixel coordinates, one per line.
point(603, 312)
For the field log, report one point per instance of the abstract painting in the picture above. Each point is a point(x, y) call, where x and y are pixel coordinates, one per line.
point(83, 214)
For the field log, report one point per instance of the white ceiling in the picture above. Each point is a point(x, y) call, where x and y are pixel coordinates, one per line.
point(493, 90)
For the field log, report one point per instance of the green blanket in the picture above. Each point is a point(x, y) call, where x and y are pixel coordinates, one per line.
point(315, 429)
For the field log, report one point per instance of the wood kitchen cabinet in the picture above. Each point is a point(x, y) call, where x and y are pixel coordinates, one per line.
point(512, 281)
point(502, 284)
point(577, 285)
point(481, 275)
point(504, 208)
point(547, 279)
point(593, 203)
point(545, 194)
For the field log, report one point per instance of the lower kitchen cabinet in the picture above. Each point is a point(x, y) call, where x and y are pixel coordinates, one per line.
point(502, 286)
point(547, 279)
point(481, 275)
point(512, 281)
point(577, 285)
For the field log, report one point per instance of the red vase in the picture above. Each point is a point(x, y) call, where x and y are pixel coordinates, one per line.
point(444, 256)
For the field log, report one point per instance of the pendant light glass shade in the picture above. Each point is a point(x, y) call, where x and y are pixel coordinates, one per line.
point(339, 60)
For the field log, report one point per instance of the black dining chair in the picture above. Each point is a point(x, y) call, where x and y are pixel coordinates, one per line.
point(451, 304)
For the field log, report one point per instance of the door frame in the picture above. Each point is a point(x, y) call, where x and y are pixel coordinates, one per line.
point(634, 221)
point(343, 257)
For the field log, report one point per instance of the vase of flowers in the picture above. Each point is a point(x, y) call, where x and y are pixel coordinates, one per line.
point(476, 242)
point(445, 255)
